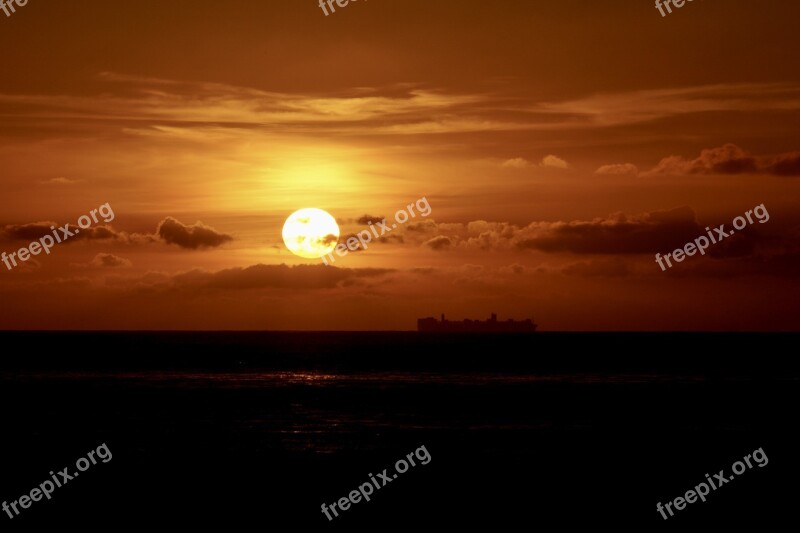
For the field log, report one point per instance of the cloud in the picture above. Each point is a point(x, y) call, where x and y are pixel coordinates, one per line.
point(742, 244)
point(472, 269)
point(330, 238)
point(623, 169)
point(366, 219)
point(785, 165)
point(163, 107)
point(748, 254)
point(616, 234)
point(61, 181)
point(730, 159)
point(36, 230)
point(169, 231)
point(191, 237)
point(426, 226)
point(439, 243)
point(354, 245)
point(623, 234)
point(550, 161)
point(554, 162)
point(634, 107)
point(514, 268)
point(105, 260)
point(96, 233)
point(517, 162)
point(726, 159)
point(208, 112)
point(393, 238)
point(27, 232)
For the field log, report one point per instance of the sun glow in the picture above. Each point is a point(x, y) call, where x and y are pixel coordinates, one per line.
point(310, 233)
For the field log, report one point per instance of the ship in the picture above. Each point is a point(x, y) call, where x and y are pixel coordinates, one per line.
point(478, 326)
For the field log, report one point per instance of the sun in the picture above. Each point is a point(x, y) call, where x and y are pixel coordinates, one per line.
point(310, 233)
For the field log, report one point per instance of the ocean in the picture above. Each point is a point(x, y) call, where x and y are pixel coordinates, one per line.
point(261, 428)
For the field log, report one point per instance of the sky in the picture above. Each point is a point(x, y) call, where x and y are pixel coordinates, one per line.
point(560, 145)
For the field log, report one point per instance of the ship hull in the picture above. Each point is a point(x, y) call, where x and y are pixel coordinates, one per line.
point(475, 326)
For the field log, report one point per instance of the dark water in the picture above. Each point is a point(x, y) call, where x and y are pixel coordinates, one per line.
point(259, 429)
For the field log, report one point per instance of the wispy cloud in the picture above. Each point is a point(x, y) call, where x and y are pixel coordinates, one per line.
point(167, 107)
point(60, 181)
point(615, 109)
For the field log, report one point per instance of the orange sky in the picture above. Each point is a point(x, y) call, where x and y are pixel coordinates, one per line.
point(560, 144)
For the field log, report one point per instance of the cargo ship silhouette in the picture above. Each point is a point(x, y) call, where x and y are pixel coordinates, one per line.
point(482, 326)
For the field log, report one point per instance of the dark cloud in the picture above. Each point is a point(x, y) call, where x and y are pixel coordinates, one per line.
point(617, 234)
point(355, 245)
point(752, 252)
point(439, 243)
point(27, 232)
point(726, 159)
point(169, 230)
point(366, 219)
point(36, 230)
point(330, 239)
point(104, 260)
point(393, 238)
point(742, 244)
point(192, 237)
point(730, 159)
point(97, 233)
point(786, 164)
